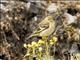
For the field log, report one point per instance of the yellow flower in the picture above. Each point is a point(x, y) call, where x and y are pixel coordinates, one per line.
point(41, 42)
point(28, 54)
point(51, 43)
point(25, 45)
point(29, 45)
point(40, 48)
point(33, 43)
point(37, 45)
point(51, 40)
point(55, 39)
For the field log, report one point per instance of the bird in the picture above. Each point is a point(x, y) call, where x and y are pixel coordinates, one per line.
point(45, 28)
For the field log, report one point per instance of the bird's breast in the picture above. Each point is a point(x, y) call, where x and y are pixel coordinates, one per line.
point(48, 31)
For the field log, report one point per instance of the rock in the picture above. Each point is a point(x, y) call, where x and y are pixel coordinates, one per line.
point(69, 18)
point(52, 8)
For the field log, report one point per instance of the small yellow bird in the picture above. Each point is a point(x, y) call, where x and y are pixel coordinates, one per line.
point(46, 27)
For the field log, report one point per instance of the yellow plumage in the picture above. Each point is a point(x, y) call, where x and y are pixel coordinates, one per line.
point(46, 27)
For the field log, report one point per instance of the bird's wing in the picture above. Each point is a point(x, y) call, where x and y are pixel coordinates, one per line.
point(35, 33)
point(49, 30)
